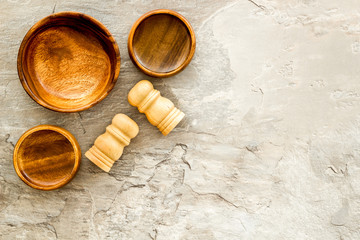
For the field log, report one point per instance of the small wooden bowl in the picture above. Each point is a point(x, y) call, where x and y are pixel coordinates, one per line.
point(161, 43)
point(68, 62)
point(47, 157)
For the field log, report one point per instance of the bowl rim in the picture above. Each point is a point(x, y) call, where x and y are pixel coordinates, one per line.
point(68, 136)
point(131, 37)
point(33, 30)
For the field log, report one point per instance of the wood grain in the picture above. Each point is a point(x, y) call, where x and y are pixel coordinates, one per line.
point(46, 157)
point(68, 62)
point(160, 111)
point(109, 146)
point(161, 43)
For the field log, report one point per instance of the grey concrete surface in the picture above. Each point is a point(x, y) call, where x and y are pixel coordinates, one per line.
point(270, 147)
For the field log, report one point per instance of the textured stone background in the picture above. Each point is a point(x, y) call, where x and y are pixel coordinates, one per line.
point(270, 147)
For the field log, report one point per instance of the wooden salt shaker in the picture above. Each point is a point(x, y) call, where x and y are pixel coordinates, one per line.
point(109, 146)
point(160, 111)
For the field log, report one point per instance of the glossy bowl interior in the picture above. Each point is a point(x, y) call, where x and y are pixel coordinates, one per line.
point(161, 43)
point(68, 62)
point(46, 157)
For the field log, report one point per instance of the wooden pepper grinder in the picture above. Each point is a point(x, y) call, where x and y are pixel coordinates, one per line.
point(159, 111)
point(109, 146)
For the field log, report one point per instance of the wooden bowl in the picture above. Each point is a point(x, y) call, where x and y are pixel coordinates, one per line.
point(68, 62)
point(47, 157)
point(161, 43)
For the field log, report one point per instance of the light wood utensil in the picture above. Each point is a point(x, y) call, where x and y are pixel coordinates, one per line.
point(160, 111)
point(109, 146)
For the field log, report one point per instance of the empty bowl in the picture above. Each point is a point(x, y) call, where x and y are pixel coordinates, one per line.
point(68, 62)
point(46, 157)
point(161, 43)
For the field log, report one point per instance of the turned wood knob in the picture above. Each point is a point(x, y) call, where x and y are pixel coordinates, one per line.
point(160, 111)
point(109, 146)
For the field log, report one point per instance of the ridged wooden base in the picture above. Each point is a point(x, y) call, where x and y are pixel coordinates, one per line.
point(109, 146)
point(99, 159)
point(170, 122)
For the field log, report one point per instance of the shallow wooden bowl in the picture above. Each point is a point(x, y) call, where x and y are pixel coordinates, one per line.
point(46, 157)
point(68, 62)
point(161, 43)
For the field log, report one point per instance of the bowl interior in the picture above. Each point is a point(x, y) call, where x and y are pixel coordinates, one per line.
point(162, 43)
point(46, 158)
point(68, 62)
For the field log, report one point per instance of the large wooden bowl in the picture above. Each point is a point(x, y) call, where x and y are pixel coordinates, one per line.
point(161, 43)
point(46, 157)
point(68, 62)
